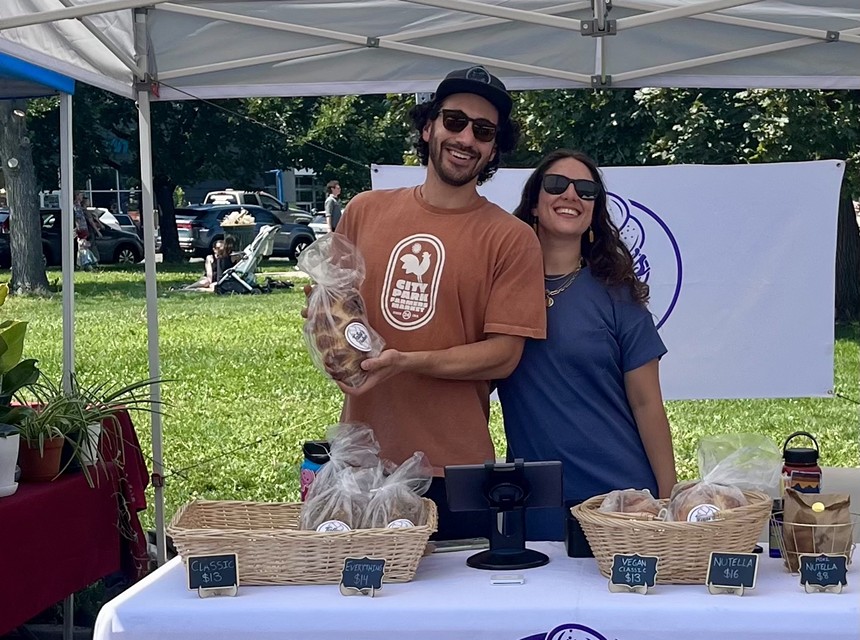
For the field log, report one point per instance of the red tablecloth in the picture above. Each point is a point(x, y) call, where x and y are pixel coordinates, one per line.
point(58, 537)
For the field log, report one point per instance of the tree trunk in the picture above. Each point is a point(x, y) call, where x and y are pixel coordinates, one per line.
point(847, 262)
point(170, 251)
point(25, 224)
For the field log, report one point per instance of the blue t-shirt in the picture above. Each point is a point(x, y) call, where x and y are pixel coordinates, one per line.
point(566, 399)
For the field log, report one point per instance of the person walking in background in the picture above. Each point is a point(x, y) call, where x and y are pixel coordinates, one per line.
point(589, 395)
point(81, 227)
point(332, 204)
point(453, 285)
point(86, 257)
point(94, 228)
point(94, 225)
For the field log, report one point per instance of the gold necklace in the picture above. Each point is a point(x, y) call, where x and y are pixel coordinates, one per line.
point(565, 285)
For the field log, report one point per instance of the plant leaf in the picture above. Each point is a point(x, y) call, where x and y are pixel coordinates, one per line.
point(12, 335)
point(23, 374)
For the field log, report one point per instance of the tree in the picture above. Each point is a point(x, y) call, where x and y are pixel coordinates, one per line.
point(25, 240)
point(343, 135)
point(196, 140)
point(603, 124)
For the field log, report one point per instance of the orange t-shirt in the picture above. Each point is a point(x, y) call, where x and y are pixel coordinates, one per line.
point(438, 278)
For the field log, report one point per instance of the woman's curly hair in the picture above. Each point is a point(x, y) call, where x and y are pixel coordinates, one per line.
point(507, 136)
point(608, 257)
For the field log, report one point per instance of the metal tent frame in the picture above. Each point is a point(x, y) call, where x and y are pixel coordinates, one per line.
point(162, 50)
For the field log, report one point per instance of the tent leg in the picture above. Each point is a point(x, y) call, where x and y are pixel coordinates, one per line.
point(67, 238)
point(69, 617)
point(148, 220)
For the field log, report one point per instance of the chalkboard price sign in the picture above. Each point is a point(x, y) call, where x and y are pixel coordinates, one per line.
point(633, 573)
point(731, 572)
point(823, 572)
point(361, 576)
point(213, 575)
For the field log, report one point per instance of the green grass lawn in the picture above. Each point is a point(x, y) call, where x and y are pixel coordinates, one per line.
point(243, 394)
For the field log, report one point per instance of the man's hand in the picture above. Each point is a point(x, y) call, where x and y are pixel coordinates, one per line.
point(389, 363)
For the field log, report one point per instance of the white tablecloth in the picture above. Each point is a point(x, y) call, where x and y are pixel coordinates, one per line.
point(566, 600)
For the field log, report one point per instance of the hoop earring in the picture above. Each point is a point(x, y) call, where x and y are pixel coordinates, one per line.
point(590, 235)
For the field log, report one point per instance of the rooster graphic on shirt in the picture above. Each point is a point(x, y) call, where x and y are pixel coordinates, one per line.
point(412, 266)
point(411, 281)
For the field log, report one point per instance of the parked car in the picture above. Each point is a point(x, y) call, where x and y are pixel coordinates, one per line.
point(113, 246)
point(320, 225)
point(200, 228)
point(286, 213)
point(5, 251)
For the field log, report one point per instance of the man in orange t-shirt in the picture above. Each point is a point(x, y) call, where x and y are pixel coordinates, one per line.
point(454, 286)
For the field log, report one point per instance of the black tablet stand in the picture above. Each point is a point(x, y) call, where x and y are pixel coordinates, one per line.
point(507, 490)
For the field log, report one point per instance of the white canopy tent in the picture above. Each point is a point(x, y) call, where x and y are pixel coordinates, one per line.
point(182, 49)
point(240, 48)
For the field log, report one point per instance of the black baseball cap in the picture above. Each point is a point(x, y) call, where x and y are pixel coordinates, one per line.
point(481, 82)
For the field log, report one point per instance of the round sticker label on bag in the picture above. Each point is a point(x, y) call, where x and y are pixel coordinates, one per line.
point(358, 336)
point(401, 523)
point(333, 525)
point(703, 513)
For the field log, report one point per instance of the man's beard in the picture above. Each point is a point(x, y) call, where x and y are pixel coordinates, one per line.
point(455, 176)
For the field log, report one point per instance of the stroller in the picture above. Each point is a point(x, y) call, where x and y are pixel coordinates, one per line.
point(241, 277)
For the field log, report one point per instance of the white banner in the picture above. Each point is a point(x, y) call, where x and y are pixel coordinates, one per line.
point(741, 264)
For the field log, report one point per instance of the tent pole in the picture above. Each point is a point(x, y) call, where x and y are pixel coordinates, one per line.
point(147, 215)
point(35, 16)
point(68, 249)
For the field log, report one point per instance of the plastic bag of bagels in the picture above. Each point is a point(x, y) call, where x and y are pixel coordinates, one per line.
point(337, 333)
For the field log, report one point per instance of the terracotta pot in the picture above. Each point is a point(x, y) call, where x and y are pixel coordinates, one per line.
point(36, 467)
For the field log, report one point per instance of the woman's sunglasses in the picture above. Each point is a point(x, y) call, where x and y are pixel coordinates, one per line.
point(555, 184)
point(455, 121)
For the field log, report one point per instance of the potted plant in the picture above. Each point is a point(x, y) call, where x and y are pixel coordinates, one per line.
point(78, 416)
point(42, 439)
point(15, 374)
point(100, 403)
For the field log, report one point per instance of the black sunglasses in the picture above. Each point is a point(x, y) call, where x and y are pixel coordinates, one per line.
point(555, 184)
point(455, 121)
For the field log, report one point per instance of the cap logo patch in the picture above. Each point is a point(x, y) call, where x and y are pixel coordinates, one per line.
point(478, 74)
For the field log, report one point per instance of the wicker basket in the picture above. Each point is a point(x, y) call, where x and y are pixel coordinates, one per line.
point(273, 550)
point(683, 547)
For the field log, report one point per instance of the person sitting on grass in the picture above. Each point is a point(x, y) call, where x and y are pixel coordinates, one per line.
point(215, 265)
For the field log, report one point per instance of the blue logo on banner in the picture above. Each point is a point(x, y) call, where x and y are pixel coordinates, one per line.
point(569, 632)
point(649, 238)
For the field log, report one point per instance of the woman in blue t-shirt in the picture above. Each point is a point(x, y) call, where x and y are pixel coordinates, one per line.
point(589, 395)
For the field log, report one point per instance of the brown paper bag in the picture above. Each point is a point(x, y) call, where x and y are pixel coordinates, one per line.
point(810, 529)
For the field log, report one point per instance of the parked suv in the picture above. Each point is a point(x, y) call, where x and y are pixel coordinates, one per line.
point(283, 211)
point(200, 228)
point(114, 246)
